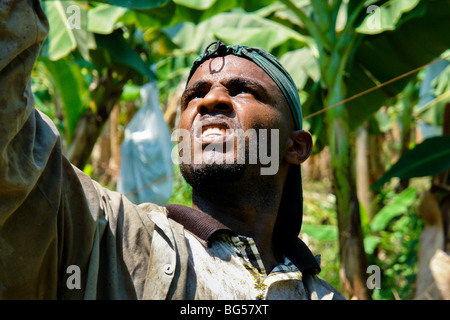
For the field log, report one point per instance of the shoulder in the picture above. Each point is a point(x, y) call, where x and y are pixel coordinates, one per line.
point(118, 209)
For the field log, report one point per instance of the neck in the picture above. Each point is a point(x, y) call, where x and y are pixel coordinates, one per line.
point(250, 210)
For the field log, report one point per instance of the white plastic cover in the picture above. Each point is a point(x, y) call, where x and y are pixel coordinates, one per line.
point(146, 153)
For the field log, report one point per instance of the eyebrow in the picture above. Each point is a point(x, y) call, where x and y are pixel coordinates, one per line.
point(229, 83)
point(197, 86)
point(244, 82)
point(261, 93)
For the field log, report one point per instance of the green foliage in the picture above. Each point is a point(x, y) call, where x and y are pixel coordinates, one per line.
point(62, 38)
point(436, 87)
point(430, 157)
point(391, 239)
point(121, 52)
point(71, 86)
point(102, 19)
point(393, 243)
point(399, 204)
point(319, 228)
point(323, 232)
point(386, 17)
point(182, 191)
point(164, 14)
point(377, 60)
point(138, 4)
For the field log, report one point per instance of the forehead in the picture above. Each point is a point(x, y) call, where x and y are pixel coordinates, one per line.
point(230, 66)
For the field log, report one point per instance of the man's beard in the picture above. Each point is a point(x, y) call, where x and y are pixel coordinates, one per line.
point(218, 172)
point(201, 176)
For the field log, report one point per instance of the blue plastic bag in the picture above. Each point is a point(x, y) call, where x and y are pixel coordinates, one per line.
point(146, 169)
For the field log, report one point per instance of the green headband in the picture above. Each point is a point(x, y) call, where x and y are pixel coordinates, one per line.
point(265, 61)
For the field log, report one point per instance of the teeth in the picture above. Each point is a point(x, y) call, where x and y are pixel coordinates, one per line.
point(213, 131)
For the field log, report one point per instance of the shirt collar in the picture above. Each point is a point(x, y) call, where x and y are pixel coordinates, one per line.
point(203, 226)
point(200, 224)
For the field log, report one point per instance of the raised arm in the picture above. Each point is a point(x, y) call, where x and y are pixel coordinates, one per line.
point(23, 28)
point(46, 221)
point(55, 222)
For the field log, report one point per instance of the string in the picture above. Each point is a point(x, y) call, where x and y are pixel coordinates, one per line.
point(374, 88)
point(151, 184)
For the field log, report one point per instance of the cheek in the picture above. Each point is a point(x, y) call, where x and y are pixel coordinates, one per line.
point(263, 118)
point(269, 118)
point(186, 119)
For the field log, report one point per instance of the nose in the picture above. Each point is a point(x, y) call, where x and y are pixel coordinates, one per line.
point(217, 100)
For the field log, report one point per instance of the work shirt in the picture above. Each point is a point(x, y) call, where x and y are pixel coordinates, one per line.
point(232, 269)
point(64, 236)
point(225, 265)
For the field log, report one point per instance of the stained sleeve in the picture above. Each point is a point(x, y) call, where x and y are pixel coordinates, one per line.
point(49, 218)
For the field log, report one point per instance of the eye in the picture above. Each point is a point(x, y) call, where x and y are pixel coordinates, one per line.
point(196, 95)
point(187, 98)
point(241, 91)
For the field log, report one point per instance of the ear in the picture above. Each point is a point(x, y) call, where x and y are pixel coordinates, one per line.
point(299, 146)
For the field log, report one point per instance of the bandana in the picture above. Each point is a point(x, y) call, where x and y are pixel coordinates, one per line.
point(265, 61)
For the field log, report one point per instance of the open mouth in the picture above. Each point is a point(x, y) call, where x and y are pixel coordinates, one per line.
point(213, 131)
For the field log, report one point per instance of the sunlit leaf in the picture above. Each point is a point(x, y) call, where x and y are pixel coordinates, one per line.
point(130, 92)
point(301, 64)
point(196, 4)
point(70, 85)
point(399, 205)
point(68, 29)
point(385, 17)
point(435, 92)
point(370, 243)
point(321, 232)
point(102, 19)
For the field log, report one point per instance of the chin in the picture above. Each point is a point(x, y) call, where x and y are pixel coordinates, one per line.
point(209, 175)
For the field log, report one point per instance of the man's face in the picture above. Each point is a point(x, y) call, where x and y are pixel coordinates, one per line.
point(228, 98)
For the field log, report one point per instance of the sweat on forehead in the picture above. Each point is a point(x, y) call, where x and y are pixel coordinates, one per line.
point(266, 62)
point(220, 67)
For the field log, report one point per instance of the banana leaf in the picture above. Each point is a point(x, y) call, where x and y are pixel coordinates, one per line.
point(428, 158)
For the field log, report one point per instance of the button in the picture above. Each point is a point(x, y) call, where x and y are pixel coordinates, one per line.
point(168, 269)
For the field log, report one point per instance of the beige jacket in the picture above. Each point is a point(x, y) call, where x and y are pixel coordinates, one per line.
point(54, 217)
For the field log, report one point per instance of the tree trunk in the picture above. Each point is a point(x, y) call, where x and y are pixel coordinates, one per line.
point(105, 156)
point(353, 259)
point(363, 169)
point(104, 97)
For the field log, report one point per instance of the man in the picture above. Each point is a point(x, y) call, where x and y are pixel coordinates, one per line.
point(63, 236)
